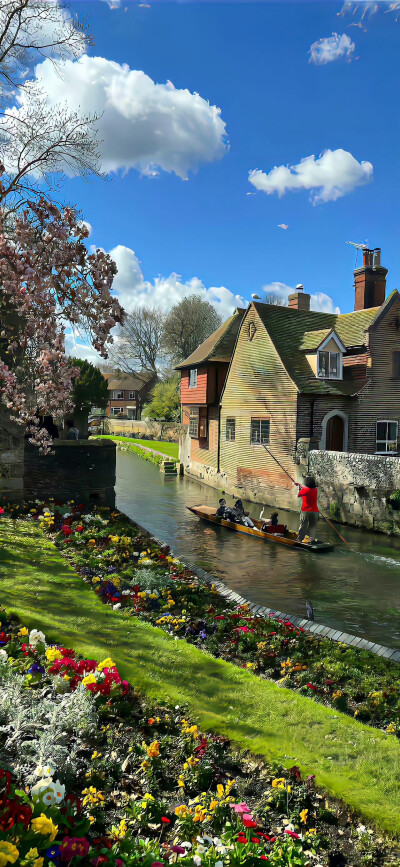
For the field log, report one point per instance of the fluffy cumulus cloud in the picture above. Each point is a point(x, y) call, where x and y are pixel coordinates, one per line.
point(332, 48)
point(319, 300)
point(328, 177)
point(141, 124)
point(163, 292)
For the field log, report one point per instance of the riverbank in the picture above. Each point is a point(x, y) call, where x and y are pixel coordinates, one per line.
point(354, 762)
point(165, 449)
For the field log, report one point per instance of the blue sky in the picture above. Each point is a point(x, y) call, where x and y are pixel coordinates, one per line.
point(252, 61)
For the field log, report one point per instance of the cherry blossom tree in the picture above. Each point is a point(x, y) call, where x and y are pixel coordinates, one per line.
point(48, 282)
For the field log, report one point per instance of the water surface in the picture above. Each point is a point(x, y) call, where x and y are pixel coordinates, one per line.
point(357, 591)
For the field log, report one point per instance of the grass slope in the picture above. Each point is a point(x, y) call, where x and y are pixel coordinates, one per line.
point(357, 763)
point(171, 450)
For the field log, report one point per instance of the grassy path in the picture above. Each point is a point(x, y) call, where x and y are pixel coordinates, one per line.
point(170, 450)
point(354, 762)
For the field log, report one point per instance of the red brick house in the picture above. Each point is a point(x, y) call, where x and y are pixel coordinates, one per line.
point(127, 393)
point(332, 380)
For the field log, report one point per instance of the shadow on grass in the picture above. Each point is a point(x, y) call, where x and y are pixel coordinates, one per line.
point(357, 763)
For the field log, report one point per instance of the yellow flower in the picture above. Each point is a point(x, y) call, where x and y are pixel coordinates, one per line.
point(90, 678)
point(53, 653)
point(96, 755)
point(153, 750)
point(278, 783)
point(107, 663)
point(303, 816)
point(181, 782)
point(182, 811)
point(8, 853)
point(43, 825)
point(391, 729)
point(92, 542)
point(96, 579)
point(92, 796)
point(145, 764)
point(23, 631)
point(213, 805)
point(220, 791)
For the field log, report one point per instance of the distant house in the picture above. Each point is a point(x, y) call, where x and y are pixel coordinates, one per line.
point(127, 393)
point(332, 381)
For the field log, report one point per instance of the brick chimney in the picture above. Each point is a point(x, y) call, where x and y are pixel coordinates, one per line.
point(370, 281)
point(299, 300)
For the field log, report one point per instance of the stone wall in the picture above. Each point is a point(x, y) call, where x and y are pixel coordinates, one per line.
point(356, 487)
point(80, 470)
point(149, 429)
point(11, 458)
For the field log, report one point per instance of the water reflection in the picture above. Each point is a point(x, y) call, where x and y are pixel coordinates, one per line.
point(357, 591)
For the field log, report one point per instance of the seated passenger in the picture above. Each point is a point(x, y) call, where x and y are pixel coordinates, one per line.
point(243, 517)
point(220, 513)
point(272, 522)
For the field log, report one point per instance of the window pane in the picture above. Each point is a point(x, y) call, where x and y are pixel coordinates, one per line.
point(255, 430)
point(392, 430)
point(381, 429)
point(230, 428)
point(193, 378)
point(265, 431)
point(334, 363)
point(323, 361)
point(381, 446)
point(391, 447)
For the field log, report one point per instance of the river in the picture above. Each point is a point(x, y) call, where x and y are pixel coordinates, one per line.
point(357, 591)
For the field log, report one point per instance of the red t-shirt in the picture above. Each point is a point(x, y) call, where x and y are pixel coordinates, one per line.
point(309, 497)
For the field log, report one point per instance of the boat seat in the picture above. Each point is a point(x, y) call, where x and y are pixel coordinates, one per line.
point(277, 528)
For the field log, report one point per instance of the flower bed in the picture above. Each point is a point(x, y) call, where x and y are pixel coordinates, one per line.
point(130, 571)
point(92, 774)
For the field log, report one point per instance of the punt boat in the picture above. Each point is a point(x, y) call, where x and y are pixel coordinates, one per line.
point(279, 534)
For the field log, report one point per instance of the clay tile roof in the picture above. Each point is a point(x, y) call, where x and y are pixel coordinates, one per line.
point(219, 345)
point(127, 381)
point(292, 331)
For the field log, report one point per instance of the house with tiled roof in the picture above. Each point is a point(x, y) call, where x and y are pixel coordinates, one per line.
point(127, 393)
point(297, 376)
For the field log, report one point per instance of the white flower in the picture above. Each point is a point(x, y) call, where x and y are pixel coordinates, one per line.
point(44, 771)
point(201, 849)
point(219, 864)
point(186, 845)
point(41, 786)
point(36, 637)
point(116, 606)
point(197, 860)
point(3, 655)
point(58, 791)
point(125, 592)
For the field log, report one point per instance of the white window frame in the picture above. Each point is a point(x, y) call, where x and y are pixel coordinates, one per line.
point(386, 440)
point(193, 377)
point(116, 410)
point(132, 395)
point(339, 352)
point(194, 417)
point(231, 421)
point(118, 395)
point(261, 441)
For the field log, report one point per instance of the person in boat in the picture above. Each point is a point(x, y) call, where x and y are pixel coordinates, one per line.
point(242, 516)
point(309, 509)
point(272, 522)
point(220, 513)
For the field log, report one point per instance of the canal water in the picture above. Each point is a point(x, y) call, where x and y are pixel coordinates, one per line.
point(357, 591)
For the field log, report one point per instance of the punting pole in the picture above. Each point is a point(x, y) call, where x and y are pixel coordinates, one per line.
point(297, 485)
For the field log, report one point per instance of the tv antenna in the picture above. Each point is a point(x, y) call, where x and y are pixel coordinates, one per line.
point(358, 247)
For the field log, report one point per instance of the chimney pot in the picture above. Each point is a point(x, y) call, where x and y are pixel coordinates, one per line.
point(370, 281)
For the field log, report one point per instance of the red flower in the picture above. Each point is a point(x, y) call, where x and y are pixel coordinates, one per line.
point(248, 823)
point(264, 858)
point(165, 820)
point(311, 686)
point(292, 834)
point(254, 839)
point(220, 617)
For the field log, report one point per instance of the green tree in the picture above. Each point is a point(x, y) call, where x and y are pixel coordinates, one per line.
point(165, 400)
point(90, 387)
point(187, 325)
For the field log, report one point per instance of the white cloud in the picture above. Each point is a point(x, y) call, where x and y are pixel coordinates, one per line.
point(319, 300)
point(142, 125)
point(283, 226)
point(328, 177)
point(163, 292)
point(332, 48)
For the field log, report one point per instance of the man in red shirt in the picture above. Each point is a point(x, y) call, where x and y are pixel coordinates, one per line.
point(309, 509)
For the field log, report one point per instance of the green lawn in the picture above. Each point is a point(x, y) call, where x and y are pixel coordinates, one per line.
point(171, 450)
point(359, 764)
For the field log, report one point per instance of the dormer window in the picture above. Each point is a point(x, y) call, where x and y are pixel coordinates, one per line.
point(330, 358)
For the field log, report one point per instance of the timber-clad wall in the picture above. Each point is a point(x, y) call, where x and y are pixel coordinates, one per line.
point(197, 395)
point(259, 386)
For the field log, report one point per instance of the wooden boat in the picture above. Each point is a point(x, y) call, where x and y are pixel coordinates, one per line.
point(279, 533)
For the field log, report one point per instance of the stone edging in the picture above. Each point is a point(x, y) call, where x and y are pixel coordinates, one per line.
point(318, 630)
